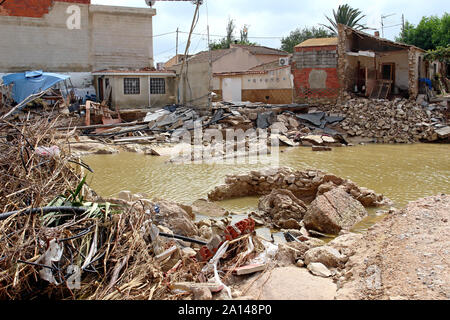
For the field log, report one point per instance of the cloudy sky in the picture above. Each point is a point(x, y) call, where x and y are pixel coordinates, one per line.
point(269, 20)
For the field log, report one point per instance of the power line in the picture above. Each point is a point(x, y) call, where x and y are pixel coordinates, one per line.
point(222, 36)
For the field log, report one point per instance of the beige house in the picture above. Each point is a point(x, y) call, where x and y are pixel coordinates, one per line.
point(125, 89)
point(175, 60)
point(194, 86)
point(269, 83)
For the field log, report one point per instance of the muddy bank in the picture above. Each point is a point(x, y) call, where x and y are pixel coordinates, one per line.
point(403, 257)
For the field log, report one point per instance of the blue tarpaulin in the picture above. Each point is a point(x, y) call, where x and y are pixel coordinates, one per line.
point(31, 82)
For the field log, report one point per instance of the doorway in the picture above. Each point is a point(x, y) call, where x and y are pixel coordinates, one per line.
point(388, 71)
point(232, 89)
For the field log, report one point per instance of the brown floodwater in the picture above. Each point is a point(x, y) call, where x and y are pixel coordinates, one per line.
point(403, 173)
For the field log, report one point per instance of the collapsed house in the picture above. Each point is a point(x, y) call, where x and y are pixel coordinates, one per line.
point(325, 69)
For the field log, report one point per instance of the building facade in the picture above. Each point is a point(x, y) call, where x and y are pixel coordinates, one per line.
point(198, 78)
point(74, 37)
point(325, 69)
point(129, 89)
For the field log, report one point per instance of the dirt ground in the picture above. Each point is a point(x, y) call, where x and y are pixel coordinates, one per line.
point(405, 256)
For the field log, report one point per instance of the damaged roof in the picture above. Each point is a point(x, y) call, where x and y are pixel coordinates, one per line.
point(386, 42)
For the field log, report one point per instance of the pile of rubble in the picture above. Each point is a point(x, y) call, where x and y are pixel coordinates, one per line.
point(397, 121)
point(302, 199)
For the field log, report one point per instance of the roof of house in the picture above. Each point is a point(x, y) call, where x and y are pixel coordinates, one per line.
point(318, 42)
point(217, 54)
point(272, 65)
point(383, 40)
point(142, 72)
point(260, 50)
point(203, 56)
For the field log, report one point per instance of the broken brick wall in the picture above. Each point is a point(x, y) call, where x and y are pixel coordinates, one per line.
point(315, 74)
point(31, 8)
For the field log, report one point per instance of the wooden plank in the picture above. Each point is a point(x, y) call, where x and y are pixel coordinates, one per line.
point(97, 126)
point(133, 139)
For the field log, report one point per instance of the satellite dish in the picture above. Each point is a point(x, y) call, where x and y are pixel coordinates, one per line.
point(150, 3)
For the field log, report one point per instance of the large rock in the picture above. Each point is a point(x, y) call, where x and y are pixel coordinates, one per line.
point(346, 244)
point(207, 208)
point(172, 216)
point(333, 211)
point(326, 255)
point(318, 269)
point(283, 208)
point(291, 283)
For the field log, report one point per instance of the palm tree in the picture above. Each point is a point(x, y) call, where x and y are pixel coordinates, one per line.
point(345, 15)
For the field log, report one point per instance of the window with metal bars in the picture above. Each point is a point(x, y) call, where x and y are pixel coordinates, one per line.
point(157, 86)
point(131, 86)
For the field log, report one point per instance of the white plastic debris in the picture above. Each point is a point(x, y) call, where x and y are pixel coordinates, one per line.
point(53, 254)
point(48, 152)
point(269, 253)
point(212, 264)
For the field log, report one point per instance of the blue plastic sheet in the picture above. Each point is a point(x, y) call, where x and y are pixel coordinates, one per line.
point(31, 82)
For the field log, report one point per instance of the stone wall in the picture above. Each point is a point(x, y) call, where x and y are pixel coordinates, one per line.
point(305, 185)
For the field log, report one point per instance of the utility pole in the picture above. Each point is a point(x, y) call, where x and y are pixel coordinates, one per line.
point(403, 23)
point(182, 76)
point(176, 55)
point(210, 73)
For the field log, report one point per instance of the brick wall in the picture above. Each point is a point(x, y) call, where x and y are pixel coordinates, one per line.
point(315, 74)
point(31, 8)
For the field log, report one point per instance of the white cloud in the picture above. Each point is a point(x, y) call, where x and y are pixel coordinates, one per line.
point(270, 18)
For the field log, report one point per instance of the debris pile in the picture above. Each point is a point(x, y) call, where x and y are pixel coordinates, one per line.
point(396, 121)
point(308, 200)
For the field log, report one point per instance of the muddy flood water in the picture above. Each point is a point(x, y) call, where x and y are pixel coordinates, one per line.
point(401, 172)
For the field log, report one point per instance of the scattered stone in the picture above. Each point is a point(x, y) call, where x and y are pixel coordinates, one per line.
point(319, 269)
point(202, 294)
point(326, 255)
point(172, 216)
point(300, 263)
point(285, 209)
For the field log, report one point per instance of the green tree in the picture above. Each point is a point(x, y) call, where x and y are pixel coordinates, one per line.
point(432, 32)
point(345, 15)
point(225, 42)
point(299, 35)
